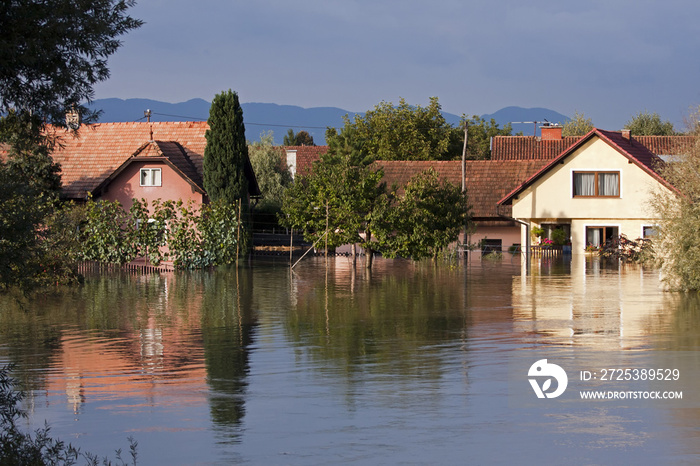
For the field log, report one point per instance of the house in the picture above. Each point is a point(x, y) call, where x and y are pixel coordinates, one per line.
point(122, 161)
point(598, 188)
point(487, 181)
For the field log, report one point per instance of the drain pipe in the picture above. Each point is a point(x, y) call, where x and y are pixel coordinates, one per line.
point(526, 251)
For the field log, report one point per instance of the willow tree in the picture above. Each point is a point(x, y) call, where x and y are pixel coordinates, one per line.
point(226, 151)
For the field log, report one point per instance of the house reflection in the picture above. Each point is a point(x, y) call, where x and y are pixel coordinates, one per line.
point(581, 299)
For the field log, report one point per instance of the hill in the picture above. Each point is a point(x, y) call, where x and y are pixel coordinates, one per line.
point(263, 117)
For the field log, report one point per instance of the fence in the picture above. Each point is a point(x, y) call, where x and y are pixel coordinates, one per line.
point(136, 266)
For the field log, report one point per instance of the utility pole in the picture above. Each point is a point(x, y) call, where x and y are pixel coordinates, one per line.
point(464, 156)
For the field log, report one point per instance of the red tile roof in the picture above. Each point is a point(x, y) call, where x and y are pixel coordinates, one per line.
point(632, 149)
point(306, 156)
point(487, 181)
point(531, 148)
point(88, 159)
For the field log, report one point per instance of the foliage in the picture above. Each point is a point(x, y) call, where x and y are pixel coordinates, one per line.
point(424, 220)
point(559, 236)
point(106, 234)
point(536, 232)
point(194, 238)
point(649, 124)
point(338, 197)
point(226, 151)
point(302, 138)
point(52, 53)
point(678, 234)
point(20, 448)
point(627, 250)
point(579, 125)
point(479, 134)
point(271, 172)
point(404, 132)
point(149, 226)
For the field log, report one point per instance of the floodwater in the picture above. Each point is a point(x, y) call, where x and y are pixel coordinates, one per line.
point(412, 363)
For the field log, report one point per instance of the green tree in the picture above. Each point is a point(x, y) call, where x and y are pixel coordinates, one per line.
point(424, 220)
point(271, 172)
point(678, 242)
point(336, 201)
point(226, 151)
point(302, 138)
point(579, 125)
point(403, 132)
point(52, 53)
point(649, 124)
point(479, 134)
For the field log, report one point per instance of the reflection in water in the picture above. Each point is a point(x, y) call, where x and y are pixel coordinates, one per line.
point(407, 363)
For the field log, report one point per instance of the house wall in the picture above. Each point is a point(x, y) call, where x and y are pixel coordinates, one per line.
point(509, 235)
point(551, 200)
point(126, 186)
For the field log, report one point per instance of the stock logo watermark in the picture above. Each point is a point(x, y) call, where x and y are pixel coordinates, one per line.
point(544, 372)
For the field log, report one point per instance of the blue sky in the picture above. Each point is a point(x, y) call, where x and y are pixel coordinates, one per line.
point(607, 59)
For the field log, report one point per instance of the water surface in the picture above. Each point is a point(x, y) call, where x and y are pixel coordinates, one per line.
point(326, 364)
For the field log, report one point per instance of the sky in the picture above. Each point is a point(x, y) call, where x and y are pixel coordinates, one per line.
point(608, 60)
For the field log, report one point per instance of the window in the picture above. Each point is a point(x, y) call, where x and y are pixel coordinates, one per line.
point(596, 184)
point(150, 177)
point(649, 231)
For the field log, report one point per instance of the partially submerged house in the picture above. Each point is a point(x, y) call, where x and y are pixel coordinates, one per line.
point(597, 189)
point(122, 161)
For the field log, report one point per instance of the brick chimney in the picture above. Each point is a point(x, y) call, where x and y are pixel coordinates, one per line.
point(627, 134)
point(551, 132)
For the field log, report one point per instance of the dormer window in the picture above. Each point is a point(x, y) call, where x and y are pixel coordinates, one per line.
point(596, 184)
point(150, 177)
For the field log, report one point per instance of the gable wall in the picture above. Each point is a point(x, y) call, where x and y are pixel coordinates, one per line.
point(551, 197)
point(126, 186)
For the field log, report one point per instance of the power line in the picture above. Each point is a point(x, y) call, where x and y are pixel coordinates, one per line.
point(246, 123)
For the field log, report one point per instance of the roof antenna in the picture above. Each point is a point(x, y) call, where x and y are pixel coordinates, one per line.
point(147, 114)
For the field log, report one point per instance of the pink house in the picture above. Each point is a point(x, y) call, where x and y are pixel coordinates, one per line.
point(122, 161)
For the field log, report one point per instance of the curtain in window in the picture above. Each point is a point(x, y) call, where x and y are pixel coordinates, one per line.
point(584, 184)
point(608, 184)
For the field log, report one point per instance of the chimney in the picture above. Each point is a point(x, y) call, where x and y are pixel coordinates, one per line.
point(627, 134)
point(551, 132)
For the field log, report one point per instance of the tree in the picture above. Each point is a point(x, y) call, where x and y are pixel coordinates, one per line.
point(479, 134)
point(649, 124)
point(226, 151)
point(579, 125)
point(404, 132)
point(53, 52)
point(336, 201)
point(271, 172)
point(677, 244)
point(302, 138)
point(424, 220)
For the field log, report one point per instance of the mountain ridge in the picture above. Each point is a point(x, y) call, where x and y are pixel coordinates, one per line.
point(262, 117)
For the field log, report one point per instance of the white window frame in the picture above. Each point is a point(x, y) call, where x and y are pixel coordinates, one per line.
point(154, 181)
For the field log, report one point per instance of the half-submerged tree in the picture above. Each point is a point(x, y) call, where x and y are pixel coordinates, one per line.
point(677, 244)
point(424, 220)
point(226, 151)
point(336, 201)
point(51, 56)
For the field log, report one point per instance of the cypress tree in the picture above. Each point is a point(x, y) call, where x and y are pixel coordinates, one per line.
point(226, 150)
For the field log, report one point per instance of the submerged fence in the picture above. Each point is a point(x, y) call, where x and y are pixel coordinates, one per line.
point(137, 266)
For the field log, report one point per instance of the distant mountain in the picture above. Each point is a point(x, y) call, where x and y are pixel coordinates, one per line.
point(261, 117)
point(258, 117)
point(533, 117)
